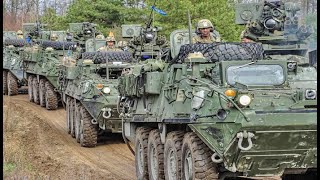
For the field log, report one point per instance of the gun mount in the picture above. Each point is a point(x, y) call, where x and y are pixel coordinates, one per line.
point(276, 25)
point(33, 30)
point(83, 31)
point(145, 42)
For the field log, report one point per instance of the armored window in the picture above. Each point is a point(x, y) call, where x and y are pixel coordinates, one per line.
point(255, 75)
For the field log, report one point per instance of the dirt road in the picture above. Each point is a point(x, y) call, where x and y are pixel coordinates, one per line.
point(37, 144)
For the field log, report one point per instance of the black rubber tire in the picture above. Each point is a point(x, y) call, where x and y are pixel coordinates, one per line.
point(58, 45)
point(222, 51)
point(111, 56)
point(35, 90)
point(68, 115)
point(141, 151)
point(88, 131)
point(155, 156)
point(5, 83)
point(30, 89)
point(200, 155)
point(42, 92)
point(15, 42)
point(12, 84)
point(77, 121)
point(51, 97)
point(72, 114)
point(173, 147)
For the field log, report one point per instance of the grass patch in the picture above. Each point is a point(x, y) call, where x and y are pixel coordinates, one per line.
point(8, 167)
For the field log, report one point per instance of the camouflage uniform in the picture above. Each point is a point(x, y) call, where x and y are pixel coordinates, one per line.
point(199, 39)
point(108, 48)
point(205, 23)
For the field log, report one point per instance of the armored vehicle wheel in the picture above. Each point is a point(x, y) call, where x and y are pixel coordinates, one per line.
point(88, 131)
point(141, 147)
point(30, 92)
point(51, 97)
point(58, 45)
point(12, 84)
point(155, 156)
point(68, 115)
point(72, 117)
point(15, 42)
point(35, 90)
point(5, 85)
point(172, 155)
point(76, 121)
point(196, 159)
point(222, 51)
point(111, 56)
point(42, 92)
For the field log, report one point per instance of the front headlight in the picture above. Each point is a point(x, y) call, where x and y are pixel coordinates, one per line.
point(245, 100)
point(311, 94)
point(106, 90)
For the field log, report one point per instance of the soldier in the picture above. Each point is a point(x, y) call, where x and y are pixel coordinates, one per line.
point(110, 45)
point(20, 34)
point(206, 33)
point(69, 36)
point(54, 37)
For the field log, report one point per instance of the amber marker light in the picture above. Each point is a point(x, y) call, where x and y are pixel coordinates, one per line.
point(230, 93)
point(99, 86)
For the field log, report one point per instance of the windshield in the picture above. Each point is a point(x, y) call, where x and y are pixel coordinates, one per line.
point(255, 74)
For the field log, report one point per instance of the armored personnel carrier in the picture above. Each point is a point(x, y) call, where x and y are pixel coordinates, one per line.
point(41, 60)
point(13, 75)
point(220, 110)
point(88, 84)
point(283, 35)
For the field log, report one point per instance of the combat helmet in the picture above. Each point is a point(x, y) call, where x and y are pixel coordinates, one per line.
point(204, 23)
point(19, 32)
point(110, 37)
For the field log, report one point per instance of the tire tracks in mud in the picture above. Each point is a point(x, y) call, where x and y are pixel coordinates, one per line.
point(111, 159)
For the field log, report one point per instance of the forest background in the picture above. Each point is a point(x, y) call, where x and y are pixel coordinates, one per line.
point(109, 15)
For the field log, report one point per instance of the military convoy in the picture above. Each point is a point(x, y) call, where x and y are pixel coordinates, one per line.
point(225, 109)
point(192, 111)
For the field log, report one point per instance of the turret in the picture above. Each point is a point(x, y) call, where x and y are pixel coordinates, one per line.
point(276, 25)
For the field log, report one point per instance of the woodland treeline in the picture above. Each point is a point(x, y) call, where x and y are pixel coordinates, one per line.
point(111, 14)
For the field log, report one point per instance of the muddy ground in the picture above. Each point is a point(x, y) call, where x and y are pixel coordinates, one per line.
point(37, 146)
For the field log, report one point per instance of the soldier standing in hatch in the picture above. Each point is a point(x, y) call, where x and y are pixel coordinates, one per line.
point(206, 33)
point(20, 34)
point(54, 37)
point(110, 45)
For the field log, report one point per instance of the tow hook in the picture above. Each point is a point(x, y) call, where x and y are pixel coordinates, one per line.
point(242, 135)
point(108, 111)
point(93, 121)
point(216, 158)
